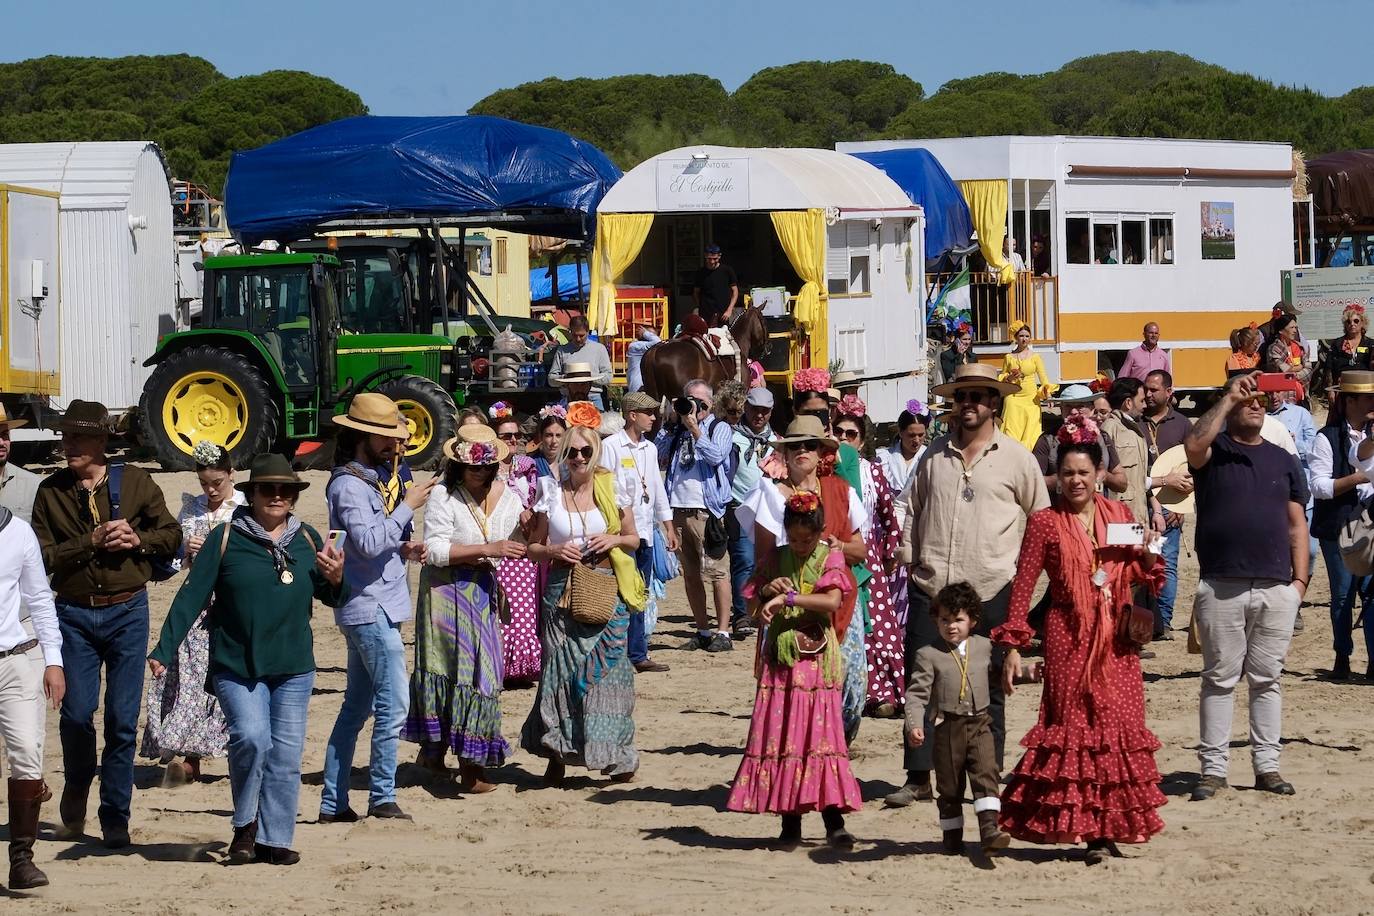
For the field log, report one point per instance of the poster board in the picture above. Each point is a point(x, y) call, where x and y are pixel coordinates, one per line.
point(1321, 294)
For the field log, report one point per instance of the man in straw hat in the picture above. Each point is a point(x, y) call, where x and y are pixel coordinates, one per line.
point(1253, 554)
point(99, 561)
point(577, 384)
point(967, 504)
point(631, 456)
point(374, 520)
point(1339, 488)
point(18, 487)
point(589, 357)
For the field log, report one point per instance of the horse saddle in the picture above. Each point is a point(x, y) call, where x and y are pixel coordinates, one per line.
point(716, 344)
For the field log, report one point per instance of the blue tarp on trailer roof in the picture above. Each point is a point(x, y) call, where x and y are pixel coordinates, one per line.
point(392, 168)
point(925, 181)
point(541, 284)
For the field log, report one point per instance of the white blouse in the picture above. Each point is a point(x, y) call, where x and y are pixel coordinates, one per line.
point(898, 472)
point(196, 519)
point(453, 519)
point(565, 525)
point(764, 507)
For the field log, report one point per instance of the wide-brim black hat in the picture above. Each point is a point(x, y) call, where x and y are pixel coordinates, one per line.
point(85, 418)
point(271, 469)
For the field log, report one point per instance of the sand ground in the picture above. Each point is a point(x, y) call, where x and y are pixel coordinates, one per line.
point(665, 844)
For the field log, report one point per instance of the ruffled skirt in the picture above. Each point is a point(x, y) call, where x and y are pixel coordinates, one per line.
point(796, 759)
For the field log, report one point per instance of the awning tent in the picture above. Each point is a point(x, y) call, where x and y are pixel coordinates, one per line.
point(406, 172)
point(925, 181)
point(569, 287)
point(798, 188)
point(1342, 186)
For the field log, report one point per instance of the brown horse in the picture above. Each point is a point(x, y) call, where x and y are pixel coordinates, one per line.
point(668, 366)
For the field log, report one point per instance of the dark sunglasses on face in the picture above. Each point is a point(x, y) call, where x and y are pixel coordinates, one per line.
point(276, 489)
point(975, 396)
point(810, 445)
point(511, 437)
point(585, 452)
point(848, 433)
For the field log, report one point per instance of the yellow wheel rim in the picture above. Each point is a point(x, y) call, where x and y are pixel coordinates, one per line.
point(420, 423)
point(205, 405)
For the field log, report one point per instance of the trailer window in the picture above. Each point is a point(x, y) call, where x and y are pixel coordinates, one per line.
point(1132, 241)
point(372, 297)
point(1105, 247)
point(1161, 240)
point(848, 258)
point(1079, 242)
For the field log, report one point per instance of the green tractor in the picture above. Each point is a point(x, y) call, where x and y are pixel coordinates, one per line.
point(276, 356)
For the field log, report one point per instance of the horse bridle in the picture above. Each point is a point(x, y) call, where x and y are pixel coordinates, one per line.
point(767, 339)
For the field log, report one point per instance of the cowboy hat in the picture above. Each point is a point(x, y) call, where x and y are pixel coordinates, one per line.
point(88, 418)
point(1175, 459)
point(476, 444)
point(11, 422)
point(577, 372)
point(271, 469)
point(974, 375)
point(374, 412)
point(638, 400)
point(805, 429)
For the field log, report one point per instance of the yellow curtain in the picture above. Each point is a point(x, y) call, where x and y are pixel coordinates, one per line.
point(619, 238)
point(802, 234)
point(987, 204)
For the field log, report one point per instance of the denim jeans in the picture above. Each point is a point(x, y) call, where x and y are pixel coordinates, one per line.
point(266, 720)
point(115, 637)
point(637, 641)
point(1164, 604)
point(1345, 589)
point(377, 686)
point(741, 563)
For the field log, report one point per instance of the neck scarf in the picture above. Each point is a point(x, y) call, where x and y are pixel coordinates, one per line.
point(246, 525)
point(758, 442)
point(783, 631)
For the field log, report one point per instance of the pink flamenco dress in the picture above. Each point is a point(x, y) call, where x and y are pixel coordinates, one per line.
point(1088, 773)
point(796, 759)
point(522, 583)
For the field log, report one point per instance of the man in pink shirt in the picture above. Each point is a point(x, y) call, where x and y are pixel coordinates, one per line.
point(1146, 358)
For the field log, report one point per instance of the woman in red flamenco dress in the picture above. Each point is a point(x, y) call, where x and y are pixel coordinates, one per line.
point(1088, 774)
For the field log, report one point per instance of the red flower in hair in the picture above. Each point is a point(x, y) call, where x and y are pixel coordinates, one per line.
point(851, 405)
point(1079, 429)
point(813, 379)
point(826, 465)
point(804, 501)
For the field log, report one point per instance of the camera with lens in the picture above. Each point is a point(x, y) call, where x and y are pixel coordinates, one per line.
point(683, 406)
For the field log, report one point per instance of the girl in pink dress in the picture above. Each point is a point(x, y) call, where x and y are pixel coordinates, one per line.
point(796, 759)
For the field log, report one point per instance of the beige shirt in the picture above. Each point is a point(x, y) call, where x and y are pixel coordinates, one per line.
point(1135, 463)
point(951, 539)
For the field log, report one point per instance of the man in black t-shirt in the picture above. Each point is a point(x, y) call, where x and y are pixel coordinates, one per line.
point(1253, 552)
point(716, 290)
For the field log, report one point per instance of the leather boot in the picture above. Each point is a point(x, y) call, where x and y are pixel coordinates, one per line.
point(72, 809)
point(954, 841)
point(24, 798)
point(989, 834)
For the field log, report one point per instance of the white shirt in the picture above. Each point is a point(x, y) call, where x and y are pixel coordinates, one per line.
point(636, 468)
point(453, 520)
point(24, 584)
point(765, 505)
point(1321, 466)
point(566, 525)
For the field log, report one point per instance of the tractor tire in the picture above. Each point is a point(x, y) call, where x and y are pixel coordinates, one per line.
point(430, 413)
point(213, 394)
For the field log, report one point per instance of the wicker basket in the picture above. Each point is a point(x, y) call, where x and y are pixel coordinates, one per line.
point(592, 596)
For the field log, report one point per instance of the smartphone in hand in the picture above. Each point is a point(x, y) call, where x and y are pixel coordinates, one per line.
point(335, 539)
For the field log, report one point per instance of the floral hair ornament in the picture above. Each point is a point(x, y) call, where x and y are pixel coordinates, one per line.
point(963, 326)
point(1079, 429)
point(1353, 308)
point(553, 410)
point(813, 379)
point(206, 452)
point(915, 407)
point(804, 501)
point(1016, 327)
point(500, 411)
point(1254, 326)
point(584, 413)
point(851, 405)
point(475, 453)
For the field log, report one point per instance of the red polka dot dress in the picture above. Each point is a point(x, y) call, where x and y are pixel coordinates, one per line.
point(1089, 769)
point(883, 641)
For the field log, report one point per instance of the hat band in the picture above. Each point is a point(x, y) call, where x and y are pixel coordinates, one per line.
point(384, 427)
point(1360, 388)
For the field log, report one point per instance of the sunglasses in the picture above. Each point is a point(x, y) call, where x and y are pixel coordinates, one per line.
point(848, 433)
point(287, 490)
point(511, 437)
point(585, 452)
point(1265, 400)
point(810, 445)
point(976, 396)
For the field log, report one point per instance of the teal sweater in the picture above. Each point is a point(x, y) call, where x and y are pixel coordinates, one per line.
point(259, 627)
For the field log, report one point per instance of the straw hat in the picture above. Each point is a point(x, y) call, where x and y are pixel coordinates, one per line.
point(805, 429)
point(1356, 381)
point(271, 469)
point(577, 372)
point(373, 412)
point(476, 444)
point(974, 375)
point(1176, 459)
point(85, 418)
point(11, 422)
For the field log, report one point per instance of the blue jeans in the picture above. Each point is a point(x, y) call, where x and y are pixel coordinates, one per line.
point(741, 563)
point(1164, 616)
point(377, 686)
point(117, 638)
point(1345, 588)
point(266, 720)
point(637, 641)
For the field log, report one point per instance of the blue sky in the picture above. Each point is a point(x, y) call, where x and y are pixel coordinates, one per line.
point(429, 58)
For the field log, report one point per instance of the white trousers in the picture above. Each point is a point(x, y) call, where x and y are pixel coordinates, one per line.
point(20, 720)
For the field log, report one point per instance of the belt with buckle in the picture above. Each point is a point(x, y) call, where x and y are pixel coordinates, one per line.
point(102, 600)
point(19, 649)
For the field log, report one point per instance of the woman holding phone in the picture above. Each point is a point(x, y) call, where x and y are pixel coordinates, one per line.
point(264, 568)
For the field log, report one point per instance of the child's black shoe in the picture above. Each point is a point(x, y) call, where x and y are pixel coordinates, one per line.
point(954, 842)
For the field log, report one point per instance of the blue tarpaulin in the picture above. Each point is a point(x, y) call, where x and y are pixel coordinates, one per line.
point(414, 169)
point(541, 286)
point(925, 181)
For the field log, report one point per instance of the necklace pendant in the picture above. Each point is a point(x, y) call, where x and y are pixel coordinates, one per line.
point(968, 493)
point(287, 577)
point(1100, 577)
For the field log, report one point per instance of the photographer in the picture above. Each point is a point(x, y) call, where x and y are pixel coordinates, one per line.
point(697, 451)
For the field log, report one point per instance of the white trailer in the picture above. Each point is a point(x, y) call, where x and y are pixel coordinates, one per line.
point(115, 291)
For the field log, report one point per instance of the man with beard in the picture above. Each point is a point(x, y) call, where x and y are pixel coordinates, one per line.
point(752, 448)
point(967, 505)
point(375, 519)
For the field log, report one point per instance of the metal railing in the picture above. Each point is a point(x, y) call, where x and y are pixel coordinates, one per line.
point(1029, 298)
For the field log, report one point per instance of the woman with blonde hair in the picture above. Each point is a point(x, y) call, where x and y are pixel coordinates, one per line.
point(1024, 368)
point(1354, 349)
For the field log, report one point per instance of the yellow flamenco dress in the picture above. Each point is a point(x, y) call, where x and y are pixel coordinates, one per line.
point(1021, 410)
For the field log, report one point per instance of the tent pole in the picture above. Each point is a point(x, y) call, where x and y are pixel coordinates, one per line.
point(463, 259)
point(440, 287)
